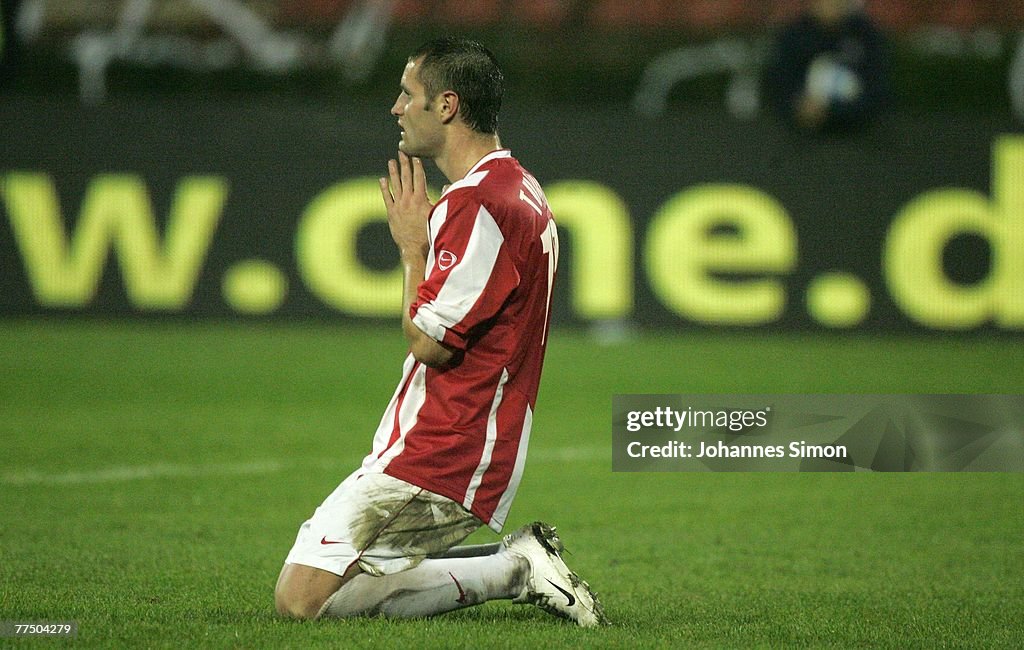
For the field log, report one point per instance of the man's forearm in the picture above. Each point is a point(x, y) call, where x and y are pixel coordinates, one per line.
point(424, 348)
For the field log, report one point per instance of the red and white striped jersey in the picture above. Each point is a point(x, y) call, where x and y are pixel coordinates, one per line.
point(462, 432)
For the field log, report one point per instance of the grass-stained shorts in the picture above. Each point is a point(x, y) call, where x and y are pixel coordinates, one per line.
point(381, 523)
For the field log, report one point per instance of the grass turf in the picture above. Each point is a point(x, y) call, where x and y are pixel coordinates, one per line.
point(154, 475)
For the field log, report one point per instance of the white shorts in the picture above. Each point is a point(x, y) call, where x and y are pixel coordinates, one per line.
point(381, 523)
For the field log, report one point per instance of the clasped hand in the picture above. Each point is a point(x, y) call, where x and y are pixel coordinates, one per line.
point(405, 197)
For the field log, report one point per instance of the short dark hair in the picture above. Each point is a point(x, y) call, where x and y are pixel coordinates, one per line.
point(469, 70)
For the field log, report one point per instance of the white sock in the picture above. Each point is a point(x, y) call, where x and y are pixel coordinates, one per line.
point(434, 586)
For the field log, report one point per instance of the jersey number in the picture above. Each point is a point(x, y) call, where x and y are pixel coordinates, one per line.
point(549, 244)
point(534, 197)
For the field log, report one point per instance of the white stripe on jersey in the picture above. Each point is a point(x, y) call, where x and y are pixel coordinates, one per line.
point(437, 218)
point(415, 396)
point(492, 436)
point(466, 281)
point(501, 512)
point(387, 421)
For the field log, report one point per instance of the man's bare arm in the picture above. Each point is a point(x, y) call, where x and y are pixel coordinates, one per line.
point(405, 197)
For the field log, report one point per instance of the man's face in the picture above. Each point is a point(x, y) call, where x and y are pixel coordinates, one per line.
point(421, 128)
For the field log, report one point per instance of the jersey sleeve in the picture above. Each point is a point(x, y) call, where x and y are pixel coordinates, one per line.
point(471, 276)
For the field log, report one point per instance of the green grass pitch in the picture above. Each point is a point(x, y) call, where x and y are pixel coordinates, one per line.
point(154, 474)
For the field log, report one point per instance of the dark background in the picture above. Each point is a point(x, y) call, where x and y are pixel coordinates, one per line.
point(281, 135)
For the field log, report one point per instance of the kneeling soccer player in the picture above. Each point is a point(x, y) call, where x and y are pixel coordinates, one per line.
point(449, 452)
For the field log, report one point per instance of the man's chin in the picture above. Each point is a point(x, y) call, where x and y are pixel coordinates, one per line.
point(412, 150)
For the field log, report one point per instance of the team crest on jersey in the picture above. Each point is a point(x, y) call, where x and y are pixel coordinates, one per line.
point(446, 260)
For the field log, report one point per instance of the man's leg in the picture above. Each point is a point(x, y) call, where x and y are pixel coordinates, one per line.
point(463, 576)
point(526, 568)
point(433, 586)
point(371, 523)
point(403, 538)
point(302, 590)
point(469, 550)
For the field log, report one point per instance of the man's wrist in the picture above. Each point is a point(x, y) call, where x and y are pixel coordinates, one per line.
point(413, 254)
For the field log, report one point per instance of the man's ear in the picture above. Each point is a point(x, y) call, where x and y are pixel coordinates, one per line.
point(447, 106)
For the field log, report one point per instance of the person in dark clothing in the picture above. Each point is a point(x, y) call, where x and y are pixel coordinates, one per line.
point(9, 50)
point(827, 70)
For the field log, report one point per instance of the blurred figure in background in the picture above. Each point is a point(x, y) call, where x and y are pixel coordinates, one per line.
point(827, 70)
point(8, 43)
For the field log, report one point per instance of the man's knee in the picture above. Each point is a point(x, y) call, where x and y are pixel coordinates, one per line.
point(293, 605)
point(301, 591)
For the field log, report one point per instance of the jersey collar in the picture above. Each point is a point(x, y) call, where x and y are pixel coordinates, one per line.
point(474, 175)
point(494, 155)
